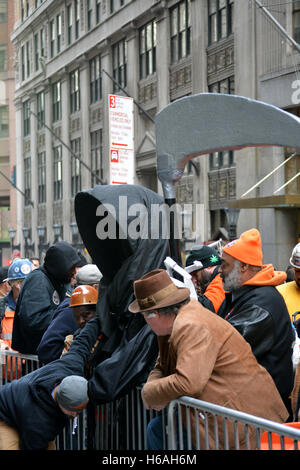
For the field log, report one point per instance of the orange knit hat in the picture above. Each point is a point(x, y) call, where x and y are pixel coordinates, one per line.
point(247, 248)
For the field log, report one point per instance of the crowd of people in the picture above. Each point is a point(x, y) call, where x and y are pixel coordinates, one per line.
point(237, 339)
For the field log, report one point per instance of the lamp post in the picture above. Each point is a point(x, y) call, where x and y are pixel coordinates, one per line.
point(75, 236)
point(12, 234)
point(28, 245)
point(232, 216)
point(57, 232)
point(41, 231)
point(187, 219)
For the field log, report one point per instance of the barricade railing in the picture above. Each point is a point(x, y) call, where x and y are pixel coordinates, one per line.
point(14, 365)
point(122, 423)
point(199, 425)
point(186, 423)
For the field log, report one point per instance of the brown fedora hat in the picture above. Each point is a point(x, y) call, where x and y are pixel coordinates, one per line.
point(156, 290)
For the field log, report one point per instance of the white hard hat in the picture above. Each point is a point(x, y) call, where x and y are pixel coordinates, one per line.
point(295, 258)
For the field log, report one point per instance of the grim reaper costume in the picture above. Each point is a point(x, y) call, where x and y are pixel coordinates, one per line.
point(120, 228)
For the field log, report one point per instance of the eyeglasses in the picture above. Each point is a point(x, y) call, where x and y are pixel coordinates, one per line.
point(16, 282)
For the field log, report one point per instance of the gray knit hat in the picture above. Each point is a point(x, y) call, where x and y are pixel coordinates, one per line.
point(89, 274)
point(72, 392)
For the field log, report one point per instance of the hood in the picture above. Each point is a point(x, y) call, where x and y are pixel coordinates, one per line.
point(109, 224)
point(267, 277)
point(107, 218)
point(59, 259)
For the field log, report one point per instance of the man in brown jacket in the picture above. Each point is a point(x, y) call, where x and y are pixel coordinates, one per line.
point(202, 356)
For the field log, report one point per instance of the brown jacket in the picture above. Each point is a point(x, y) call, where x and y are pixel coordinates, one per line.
point(206, 358)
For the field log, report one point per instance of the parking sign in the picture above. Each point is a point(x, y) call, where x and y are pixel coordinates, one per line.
point(121, 139)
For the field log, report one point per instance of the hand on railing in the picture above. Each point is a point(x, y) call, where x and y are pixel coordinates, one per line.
point(154, 407)
point(4, 346)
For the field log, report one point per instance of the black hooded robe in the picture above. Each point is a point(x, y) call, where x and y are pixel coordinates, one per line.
point(121, 256)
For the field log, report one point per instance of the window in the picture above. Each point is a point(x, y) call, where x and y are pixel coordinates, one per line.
point(58, 33)
point(223, 86)
point(75, 167)
point(24, 9)
point(220, 19)
point(42, 177)
point(4, 121)
point(74, 91)
point(57, 174)
point(36, 52)
point(56, 101)
point(95, 79)
point(3, 58)
point(180, 30)
point(70, 23)
point(27, 180)
point(52, 38)
point(112, 6)
point(147, 49)
point(224, 159)
point(76, 18)
point(3, 11)
point(23, 63)
point(296, 21)
point(28, 58)
point(119, 52)
point(89, 13)
point(219, 160)
point(26, 118)
point(96, 156)
point(41, 110)
point(42, 42)
point(98, 11)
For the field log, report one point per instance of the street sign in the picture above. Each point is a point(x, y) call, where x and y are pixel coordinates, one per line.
point(121, 139)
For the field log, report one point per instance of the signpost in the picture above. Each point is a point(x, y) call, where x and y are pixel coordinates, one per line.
point(121, 139)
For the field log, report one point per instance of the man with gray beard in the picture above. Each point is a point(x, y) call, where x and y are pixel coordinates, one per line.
point(256, 309)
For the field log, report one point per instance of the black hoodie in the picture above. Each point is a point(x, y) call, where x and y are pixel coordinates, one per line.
point(43, 290)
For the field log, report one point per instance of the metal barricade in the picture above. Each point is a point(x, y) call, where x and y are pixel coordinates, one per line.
point(187, 423)
point(199, 425)
point(14, 365)
point(122, 424)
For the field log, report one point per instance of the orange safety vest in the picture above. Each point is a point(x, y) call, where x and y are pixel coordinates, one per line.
point(6, 336)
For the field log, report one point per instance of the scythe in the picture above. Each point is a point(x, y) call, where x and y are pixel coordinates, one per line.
point(210, 122)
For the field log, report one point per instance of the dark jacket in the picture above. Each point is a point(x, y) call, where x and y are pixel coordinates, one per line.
point(52, 342)
point(27, 404)
point(43, 290)
point(259, 313)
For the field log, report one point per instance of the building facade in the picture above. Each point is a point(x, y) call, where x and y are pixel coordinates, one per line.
point(7, 130)
point(71, 54)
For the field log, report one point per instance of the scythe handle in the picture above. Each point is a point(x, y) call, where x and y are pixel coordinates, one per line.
point(174, 244)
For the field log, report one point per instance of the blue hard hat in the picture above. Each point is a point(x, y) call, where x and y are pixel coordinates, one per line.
point(19, 269)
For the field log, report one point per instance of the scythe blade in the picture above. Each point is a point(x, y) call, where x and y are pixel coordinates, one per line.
point(211, 122)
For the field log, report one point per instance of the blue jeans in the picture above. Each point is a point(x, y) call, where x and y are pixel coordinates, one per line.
point(155, 439)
